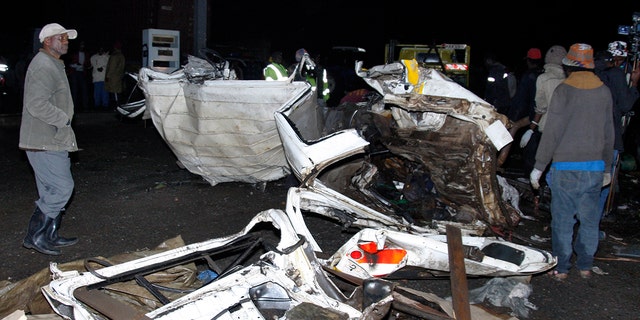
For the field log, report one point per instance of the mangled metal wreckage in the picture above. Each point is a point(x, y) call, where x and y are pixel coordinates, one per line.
point(275, 273)
point(420, 150)
point(408, 159)
point(398, 167)
point(221, 129)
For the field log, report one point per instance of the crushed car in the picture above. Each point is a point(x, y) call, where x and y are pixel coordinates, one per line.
point(420, 152)
point(426, 145)
point(270, 269)
point(218, 127)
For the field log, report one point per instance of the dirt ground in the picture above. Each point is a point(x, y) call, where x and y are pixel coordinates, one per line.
point(131, 195)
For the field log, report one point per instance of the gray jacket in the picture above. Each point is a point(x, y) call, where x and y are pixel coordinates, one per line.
point(580, 125)
point(48, 107)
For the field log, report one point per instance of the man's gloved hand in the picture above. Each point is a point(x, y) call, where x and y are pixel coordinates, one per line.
point(534, 178)
point(525, 138)
point(606, 179)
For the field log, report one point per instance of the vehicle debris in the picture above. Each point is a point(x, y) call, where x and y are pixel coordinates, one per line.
point(434, 146)
point(247, 274)
point(222, 130)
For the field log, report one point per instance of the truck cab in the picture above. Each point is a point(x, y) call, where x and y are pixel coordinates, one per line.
point(451, 59)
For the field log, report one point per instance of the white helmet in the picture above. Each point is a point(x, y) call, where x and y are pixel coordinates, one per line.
point(618, 48)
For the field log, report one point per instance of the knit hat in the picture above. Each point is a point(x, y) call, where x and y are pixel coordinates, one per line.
point(579, 55)
point(534, 53)
point(618, 48)
point(555, 54)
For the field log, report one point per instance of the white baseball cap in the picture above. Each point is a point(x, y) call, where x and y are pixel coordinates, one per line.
point(53, 29)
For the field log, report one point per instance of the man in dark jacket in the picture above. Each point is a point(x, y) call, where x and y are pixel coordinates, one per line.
point(522, 109)
point(624, 97)
point(497, 85)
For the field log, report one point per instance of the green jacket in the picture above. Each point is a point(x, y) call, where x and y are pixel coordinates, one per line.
point(275, 71)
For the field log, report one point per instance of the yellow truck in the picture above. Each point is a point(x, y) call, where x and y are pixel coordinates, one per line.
point(449, 58)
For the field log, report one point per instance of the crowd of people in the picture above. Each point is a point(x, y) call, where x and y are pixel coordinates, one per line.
point(569, 109)
point(95, 76)
point(570, 112)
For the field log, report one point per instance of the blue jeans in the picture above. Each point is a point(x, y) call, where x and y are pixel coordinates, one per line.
point(574, 198)
point(100, 94)
point(52, 170)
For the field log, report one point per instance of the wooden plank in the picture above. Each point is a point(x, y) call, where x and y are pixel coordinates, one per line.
point(459, 287)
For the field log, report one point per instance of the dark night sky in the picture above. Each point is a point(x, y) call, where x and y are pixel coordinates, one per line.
point(318, 25)
point(510, 35)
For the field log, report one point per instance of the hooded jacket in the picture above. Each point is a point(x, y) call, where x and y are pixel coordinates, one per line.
point(552, 76)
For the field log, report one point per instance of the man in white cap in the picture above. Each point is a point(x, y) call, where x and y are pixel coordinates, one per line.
point(578, 142)
point(47, 138)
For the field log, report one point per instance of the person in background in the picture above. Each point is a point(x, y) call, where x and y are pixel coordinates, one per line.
point(618, 50)
point(512, 83)
point(325, 81)
point(47, 137)
point(21, 70)
point(99, 62)
point(522, 107)
point(114, 76)
point(312, 73)
point(497, 91)
point(546, 82)
point(79, 76)
point(275, 71)
point(578, 142)
point(523, 103)
point(624, 96)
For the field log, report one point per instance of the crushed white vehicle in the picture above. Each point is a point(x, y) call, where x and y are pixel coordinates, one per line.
point(266, 273)
point(426, 146)
point(284, 278)
point(383, 253)
point(219, 128)
point(235, 280)
point(419, 154)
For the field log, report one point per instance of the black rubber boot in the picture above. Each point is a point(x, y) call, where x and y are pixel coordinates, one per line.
point(54, 238)
point(37, 234)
